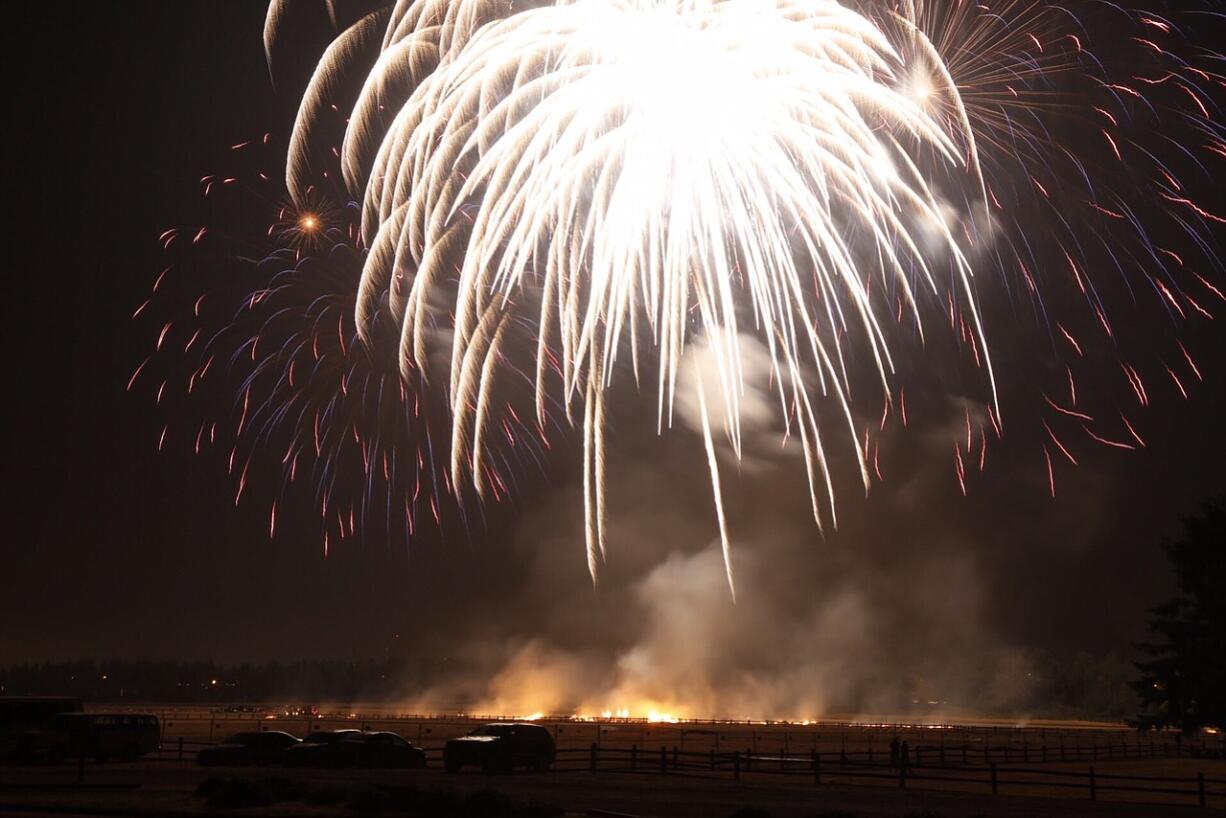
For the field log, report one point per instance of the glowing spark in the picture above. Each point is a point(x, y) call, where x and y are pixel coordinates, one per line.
point(624, 168)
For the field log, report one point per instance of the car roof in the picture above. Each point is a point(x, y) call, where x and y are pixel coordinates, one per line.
point(265, 733)
point(347, 731)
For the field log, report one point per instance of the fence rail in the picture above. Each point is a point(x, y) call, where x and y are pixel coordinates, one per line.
point(826, 766)
point(821, 768)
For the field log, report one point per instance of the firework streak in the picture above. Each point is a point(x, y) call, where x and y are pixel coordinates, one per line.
point(615, 179)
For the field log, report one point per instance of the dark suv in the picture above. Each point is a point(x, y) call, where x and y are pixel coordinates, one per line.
point(318, 749)
point(245, 749)
point(501, 746)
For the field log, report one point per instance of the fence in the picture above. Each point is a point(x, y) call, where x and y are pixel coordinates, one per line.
point(819, 767)
point(956, 771)
point(1001, 744)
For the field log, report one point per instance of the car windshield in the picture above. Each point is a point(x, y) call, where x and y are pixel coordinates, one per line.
point(390, 739)
point(493, 730)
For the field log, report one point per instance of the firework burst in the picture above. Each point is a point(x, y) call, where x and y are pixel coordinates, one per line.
point(548, 194)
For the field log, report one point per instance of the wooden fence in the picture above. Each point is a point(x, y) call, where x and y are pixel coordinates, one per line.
point(956, 770)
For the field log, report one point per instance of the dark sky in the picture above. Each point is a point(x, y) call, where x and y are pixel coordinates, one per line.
point(114, 550)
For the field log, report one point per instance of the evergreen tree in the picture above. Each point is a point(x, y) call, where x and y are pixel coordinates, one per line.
point(1183, 680)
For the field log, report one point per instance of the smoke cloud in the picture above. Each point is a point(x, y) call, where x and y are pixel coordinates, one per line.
point(889, 613)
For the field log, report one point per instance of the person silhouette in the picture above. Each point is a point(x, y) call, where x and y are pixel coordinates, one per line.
point(894, 753)
point(905, 755)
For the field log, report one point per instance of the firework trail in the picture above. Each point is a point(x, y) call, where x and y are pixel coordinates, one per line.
point(549, 195)
point(271, 324)
point(633, 174)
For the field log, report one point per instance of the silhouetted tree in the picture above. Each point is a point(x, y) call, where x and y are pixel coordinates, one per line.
point(1183, 682)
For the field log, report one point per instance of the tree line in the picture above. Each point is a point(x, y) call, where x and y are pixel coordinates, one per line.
point(1180, 680)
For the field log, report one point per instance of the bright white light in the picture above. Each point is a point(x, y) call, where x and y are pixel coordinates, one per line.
point(648, 169)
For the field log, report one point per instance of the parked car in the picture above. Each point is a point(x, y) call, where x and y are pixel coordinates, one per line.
point(103, 736)
point(380, 750)
point(246, 749)
point(318, 749)
point(25, 725)
point(501, 746)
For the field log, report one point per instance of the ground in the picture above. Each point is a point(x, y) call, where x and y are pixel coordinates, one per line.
point(168, 789)
point(683, 770)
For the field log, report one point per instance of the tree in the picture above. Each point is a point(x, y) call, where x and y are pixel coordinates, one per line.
point(1183, 681)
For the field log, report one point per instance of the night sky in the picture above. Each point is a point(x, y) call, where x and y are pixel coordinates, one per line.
point(112, 549)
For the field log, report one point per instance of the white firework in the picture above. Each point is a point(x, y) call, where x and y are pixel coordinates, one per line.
point(640, 172)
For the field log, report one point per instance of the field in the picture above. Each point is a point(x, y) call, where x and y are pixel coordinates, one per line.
point(700, 768)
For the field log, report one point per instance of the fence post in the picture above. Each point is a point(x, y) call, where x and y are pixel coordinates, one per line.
point(782, 762)
point(180, 748)
point(748, 759)
point(634, 756)
point(995, 786)
point(817, 767)
point(1200, 789)
point(663, 760)
point(902, 776)
point(595, 760)
point(712, 751)
point(676, 764)
point(1093, 785)
point(736, 765)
